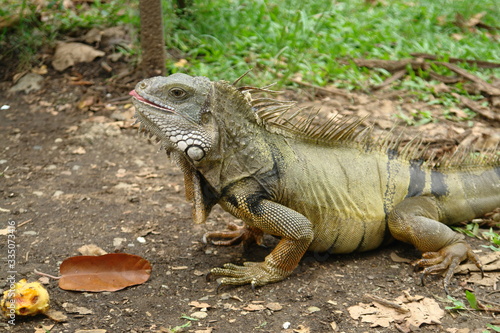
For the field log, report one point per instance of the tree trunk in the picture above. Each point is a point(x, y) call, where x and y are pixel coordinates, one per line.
point(152, 40)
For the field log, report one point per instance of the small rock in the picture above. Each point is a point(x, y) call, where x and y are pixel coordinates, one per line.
point(79, 151)
point(57, 194)
point(199, 315)
point(117, 242)
point(141, 240)
point(313, 309)
point(286, 325)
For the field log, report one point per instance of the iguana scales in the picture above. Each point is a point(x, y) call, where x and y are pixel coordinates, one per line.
point(328, 188)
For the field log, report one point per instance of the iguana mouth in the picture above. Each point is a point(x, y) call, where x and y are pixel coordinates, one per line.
point(141, 99)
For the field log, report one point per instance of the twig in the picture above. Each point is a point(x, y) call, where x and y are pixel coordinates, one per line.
point(444, 78)
point(483, 307)
point(25, 222)
point(396, 76)
point(476, 107)
point(478, 63)
point(47, 275)
point(387, 303)
point(483, 85)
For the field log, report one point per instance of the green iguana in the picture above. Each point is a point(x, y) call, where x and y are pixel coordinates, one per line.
point(328, 188)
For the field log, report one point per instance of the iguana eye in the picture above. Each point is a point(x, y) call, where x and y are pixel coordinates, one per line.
point(177, 92)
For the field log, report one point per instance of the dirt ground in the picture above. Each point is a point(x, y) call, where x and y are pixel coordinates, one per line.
point(76, 172)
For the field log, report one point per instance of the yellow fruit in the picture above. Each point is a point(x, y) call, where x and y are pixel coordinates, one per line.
point(24, 299)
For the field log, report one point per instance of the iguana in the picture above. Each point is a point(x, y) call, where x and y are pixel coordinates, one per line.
point(327, 188)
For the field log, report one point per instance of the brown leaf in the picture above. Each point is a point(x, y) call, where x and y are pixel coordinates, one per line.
point(254, 307)
point(68, 54)
point(274, 306)
point(200, 305)
point(425, 310)
point(109, 272)
point(91, 250)
point(56, 316)
point(81, 310)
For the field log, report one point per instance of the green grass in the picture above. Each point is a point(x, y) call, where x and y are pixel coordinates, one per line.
point(222, 39)
point(314, 39)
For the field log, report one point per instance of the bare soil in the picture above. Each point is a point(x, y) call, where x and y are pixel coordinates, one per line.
point(76, 172)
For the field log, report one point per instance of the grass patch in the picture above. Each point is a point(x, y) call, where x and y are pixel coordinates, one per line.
point(222, 39)
point(314, 39)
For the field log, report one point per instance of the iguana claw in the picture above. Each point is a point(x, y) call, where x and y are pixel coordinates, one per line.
point(446, 260)
point(235, 235)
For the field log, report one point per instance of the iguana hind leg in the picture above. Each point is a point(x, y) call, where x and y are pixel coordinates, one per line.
point(416, 221)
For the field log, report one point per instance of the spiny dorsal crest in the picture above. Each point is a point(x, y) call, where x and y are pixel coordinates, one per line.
point(283, 117)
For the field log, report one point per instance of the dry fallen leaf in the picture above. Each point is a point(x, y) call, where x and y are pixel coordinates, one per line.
point(68, 54)
point(71, 308)
point(91, 250)
point(254, 307)
point(200, 305)
point(109, 272)
point(274, 306)
point(423, 311)
point(56, 316)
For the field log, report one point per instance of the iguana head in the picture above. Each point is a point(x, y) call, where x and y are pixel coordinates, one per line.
point(176, 110)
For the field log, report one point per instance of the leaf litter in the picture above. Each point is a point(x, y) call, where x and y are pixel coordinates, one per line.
point(406, 311)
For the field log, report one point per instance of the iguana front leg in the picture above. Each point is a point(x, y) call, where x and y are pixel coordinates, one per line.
point(294, 229)
point(416, 221)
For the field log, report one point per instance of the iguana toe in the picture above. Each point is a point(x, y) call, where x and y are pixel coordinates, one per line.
point(446, 260)
point(234, 235)
point(254, 273)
